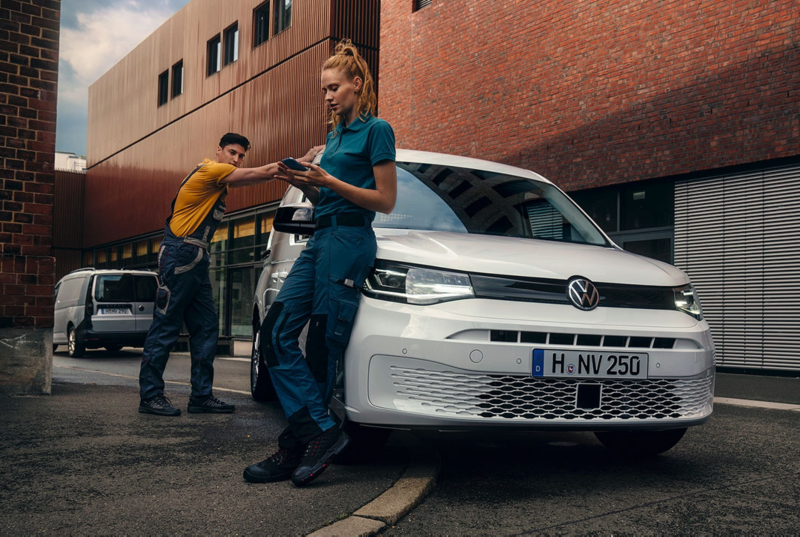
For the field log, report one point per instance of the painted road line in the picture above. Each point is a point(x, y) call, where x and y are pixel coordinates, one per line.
point(756, 404)
point(233, 359)
point(137, 378)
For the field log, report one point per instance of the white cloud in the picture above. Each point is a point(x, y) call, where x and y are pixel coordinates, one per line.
point(102, 38)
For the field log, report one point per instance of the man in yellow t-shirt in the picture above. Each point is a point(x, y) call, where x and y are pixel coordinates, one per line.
point(184, 293)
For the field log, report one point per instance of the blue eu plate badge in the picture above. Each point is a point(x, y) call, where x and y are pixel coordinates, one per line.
point(538, 363)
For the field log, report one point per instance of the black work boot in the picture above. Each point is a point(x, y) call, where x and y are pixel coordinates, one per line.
point(278, 467)
point(209, 404)
point(319, 452)
point(158, 405)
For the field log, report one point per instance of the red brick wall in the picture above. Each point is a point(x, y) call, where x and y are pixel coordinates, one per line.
point(29, 31)
point(595, 93)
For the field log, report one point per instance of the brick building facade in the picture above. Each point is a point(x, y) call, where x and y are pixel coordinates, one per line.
point(591, 94)
point(29, 40)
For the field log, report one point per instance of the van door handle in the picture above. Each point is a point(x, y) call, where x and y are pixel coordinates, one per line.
point(141, 308)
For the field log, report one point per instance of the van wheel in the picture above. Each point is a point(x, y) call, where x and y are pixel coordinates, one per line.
point(260, 384)
point(366, 444)
point(113, 348)
point(76, 350)
point(640, 443)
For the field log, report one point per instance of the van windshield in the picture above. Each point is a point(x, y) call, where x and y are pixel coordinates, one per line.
point(461, 200)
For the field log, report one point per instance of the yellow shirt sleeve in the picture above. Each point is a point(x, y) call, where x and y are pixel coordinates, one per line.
point(198, 196)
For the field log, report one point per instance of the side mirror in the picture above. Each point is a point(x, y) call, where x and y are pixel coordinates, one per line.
point(296, 218)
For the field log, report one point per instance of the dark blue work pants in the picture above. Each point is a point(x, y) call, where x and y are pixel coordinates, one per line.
point(184, 296)
point(324, 288)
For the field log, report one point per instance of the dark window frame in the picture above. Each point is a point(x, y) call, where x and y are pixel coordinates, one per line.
point(177, 79)
point(230, 46)
point(213, 53)
point(261, 31)
point(279, 16)
point(163, 88)
point(419, 4)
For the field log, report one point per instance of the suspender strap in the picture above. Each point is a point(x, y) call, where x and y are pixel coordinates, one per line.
point(172, 207)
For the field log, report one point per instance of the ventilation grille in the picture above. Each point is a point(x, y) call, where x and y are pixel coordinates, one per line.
point(523, 398)
point(583, 340)
point(738, 238)
point(419, 4)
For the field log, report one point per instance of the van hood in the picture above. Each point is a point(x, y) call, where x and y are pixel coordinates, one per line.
point(531, 258)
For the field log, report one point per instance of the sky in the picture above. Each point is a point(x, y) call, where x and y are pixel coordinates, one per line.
point(96, 34)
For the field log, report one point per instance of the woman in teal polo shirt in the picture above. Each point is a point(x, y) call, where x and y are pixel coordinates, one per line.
point(355, 179)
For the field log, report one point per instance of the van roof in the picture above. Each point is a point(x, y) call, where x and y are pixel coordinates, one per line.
point(90, 270)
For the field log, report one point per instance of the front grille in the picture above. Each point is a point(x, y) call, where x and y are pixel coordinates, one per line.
point(511, 397)
point(584, 340)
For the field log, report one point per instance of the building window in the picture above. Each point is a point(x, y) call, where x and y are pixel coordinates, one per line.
point(177, 79)
point(214, 56)
point(283, 15)
point(260, 24)
point(637, 216)
point(419, 4)
point(232, 44)
point(163, 88)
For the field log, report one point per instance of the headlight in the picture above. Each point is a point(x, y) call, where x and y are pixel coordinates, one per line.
point(416, 285)
point(687, 301)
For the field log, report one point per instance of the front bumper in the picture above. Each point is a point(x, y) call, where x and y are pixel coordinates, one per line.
point(436, 367)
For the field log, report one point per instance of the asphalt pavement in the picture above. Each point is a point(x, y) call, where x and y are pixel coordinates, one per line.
point(85, 461)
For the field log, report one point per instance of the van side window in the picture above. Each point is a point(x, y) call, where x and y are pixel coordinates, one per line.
point(114, 288)
point(55, 291)
point(146, 287)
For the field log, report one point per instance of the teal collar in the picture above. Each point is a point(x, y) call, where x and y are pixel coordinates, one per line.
point(356, 125)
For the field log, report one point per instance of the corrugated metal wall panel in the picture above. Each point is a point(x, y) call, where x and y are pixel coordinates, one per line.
point(66, 261)
point(68, 209)
point(738, 237)
point(281, 112)
point(123, 102)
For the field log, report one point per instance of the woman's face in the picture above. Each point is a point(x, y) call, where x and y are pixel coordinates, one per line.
point(340, 93)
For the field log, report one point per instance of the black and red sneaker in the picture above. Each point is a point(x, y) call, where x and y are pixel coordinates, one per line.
point(278, 467)
point(319, 452)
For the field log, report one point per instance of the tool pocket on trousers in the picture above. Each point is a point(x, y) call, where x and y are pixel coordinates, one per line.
point(163, 296)
point(344, 310)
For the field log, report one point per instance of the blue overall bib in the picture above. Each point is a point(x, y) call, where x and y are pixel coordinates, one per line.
point(184, 296)
point(323, 287)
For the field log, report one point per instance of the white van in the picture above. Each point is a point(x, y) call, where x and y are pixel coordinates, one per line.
point(495, 301)
point(103, 308)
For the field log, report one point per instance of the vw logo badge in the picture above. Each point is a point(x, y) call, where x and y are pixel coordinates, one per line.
point(583, 294)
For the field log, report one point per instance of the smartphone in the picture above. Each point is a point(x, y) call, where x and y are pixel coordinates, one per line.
point(294, 165)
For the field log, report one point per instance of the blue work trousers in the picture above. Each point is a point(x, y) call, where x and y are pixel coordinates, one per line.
point(323, 289)
point(184, 296)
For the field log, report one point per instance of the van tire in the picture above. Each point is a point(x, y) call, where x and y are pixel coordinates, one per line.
point(261, 387)
point(638, 444)
point(76, 350)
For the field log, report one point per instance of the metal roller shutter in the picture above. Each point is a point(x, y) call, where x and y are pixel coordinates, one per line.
point(738, 238)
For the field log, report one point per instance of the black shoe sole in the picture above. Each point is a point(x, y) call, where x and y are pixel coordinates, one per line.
point(204, 410)
point(145, 410)
point(252, 478)
point(323, 463)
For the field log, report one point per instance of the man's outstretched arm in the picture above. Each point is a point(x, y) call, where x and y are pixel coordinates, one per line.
point(250, 176)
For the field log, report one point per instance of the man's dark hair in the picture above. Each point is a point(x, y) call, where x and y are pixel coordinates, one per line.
point(233, 138)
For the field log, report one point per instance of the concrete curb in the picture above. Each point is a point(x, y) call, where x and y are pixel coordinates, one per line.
point(385, 510)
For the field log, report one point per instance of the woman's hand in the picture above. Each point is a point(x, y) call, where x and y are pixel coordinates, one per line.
point(313, 177)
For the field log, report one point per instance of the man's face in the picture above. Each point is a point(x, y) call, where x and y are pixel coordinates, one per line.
point(231, 154)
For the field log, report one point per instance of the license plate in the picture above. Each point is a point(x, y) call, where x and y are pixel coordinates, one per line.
point(589, 365)
point(114, 311)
